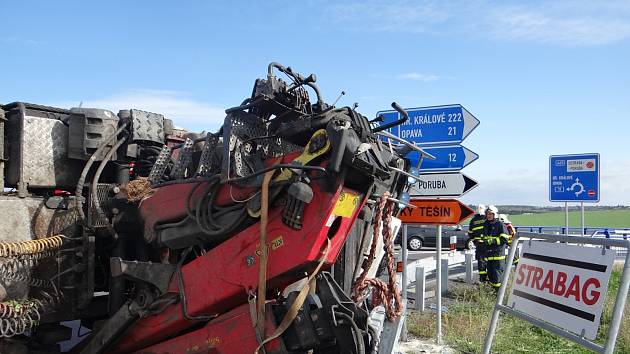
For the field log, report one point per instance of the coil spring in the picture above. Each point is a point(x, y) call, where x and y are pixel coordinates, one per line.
point(18, 316)
point(24, 277)
point(12, 249)
point(15, 264)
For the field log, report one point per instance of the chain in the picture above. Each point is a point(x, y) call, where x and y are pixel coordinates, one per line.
point(382, 293)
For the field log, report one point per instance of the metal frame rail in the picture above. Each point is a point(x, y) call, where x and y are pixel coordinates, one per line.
point(620, 301)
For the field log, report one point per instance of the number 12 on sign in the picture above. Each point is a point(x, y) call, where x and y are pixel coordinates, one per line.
point(447, 158)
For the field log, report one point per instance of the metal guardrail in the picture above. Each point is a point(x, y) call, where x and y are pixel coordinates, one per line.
point(421, 268)
point(618, 233)
point(561, 230)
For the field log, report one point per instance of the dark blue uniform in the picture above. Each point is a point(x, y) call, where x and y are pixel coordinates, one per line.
point(496, 239)
point(475, 232)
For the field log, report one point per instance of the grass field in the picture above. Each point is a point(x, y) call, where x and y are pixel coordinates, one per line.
point(466, 322)
point(596, 218)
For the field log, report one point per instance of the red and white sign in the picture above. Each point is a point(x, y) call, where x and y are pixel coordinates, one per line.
point(562, 284)
point(581, 165)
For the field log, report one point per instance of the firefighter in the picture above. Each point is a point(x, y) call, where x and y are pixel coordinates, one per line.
point(475, 231)
point(511, 230)
point(495, 238)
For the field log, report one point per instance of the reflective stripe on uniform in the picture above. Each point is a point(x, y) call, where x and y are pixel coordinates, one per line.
point(494, 258)
point(497, 240)
point(483, 272)
point(496, 285)
point(477, 228)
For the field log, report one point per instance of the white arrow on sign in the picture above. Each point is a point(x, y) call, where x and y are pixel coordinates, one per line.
point(442, 185)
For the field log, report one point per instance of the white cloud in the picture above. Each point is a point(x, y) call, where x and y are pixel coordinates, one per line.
point(418, 77)
point(562, 22)
point(385, 16)
point(530, 186)
point(178, 106)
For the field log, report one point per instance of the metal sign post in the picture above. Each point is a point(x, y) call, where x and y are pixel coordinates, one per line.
point(582, 218)
point(404, 279)
point(438, 278)
point(620, 301)
point(566, 218)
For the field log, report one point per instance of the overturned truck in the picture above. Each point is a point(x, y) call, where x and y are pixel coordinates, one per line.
point(160, 240)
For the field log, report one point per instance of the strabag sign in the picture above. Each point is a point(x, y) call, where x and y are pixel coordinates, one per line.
point(564, 285)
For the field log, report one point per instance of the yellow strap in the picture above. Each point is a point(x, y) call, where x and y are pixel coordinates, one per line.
point(298, 302)
point(262, 267)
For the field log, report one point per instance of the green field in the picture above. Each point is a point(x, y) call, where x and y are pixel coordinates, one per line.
point(596, 218)
point(468, 317)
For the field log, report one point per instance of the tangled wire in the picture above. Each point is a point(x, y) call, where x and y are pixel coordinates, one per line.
point(382, 293)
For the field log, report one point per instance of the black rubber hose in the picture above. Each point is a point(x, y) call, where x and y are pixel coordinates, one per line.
point(356, 331)
point(94, 189)
point(79, 191)
point(146, 159)
point(206, 215)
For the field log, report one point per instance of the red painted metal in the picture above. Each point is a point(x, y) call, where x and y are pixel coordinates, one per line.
point(221, 279)
point(228, 334)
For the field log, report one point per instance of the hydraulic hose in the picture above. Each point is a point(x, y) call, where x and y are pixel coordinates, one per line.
point(356, 331)
point(207, 214)
point(94, 189)
point(79, 191)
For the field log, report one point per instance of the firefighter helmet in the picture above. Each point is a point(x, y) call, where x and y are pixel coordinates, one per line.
point(493, 210)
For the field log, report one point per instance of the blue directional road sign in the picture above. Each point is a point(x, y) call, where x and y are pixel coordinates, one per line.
point(434, 125)
point(574, 178)
point(447, 158)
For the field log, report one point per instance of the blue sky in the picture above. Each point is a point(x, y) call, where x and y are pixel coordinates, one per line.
point(543, 77)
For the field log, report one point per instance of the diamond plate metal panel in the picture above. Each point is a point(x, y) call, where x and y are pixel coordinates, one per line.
point(147, 126)
point(39, 153)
